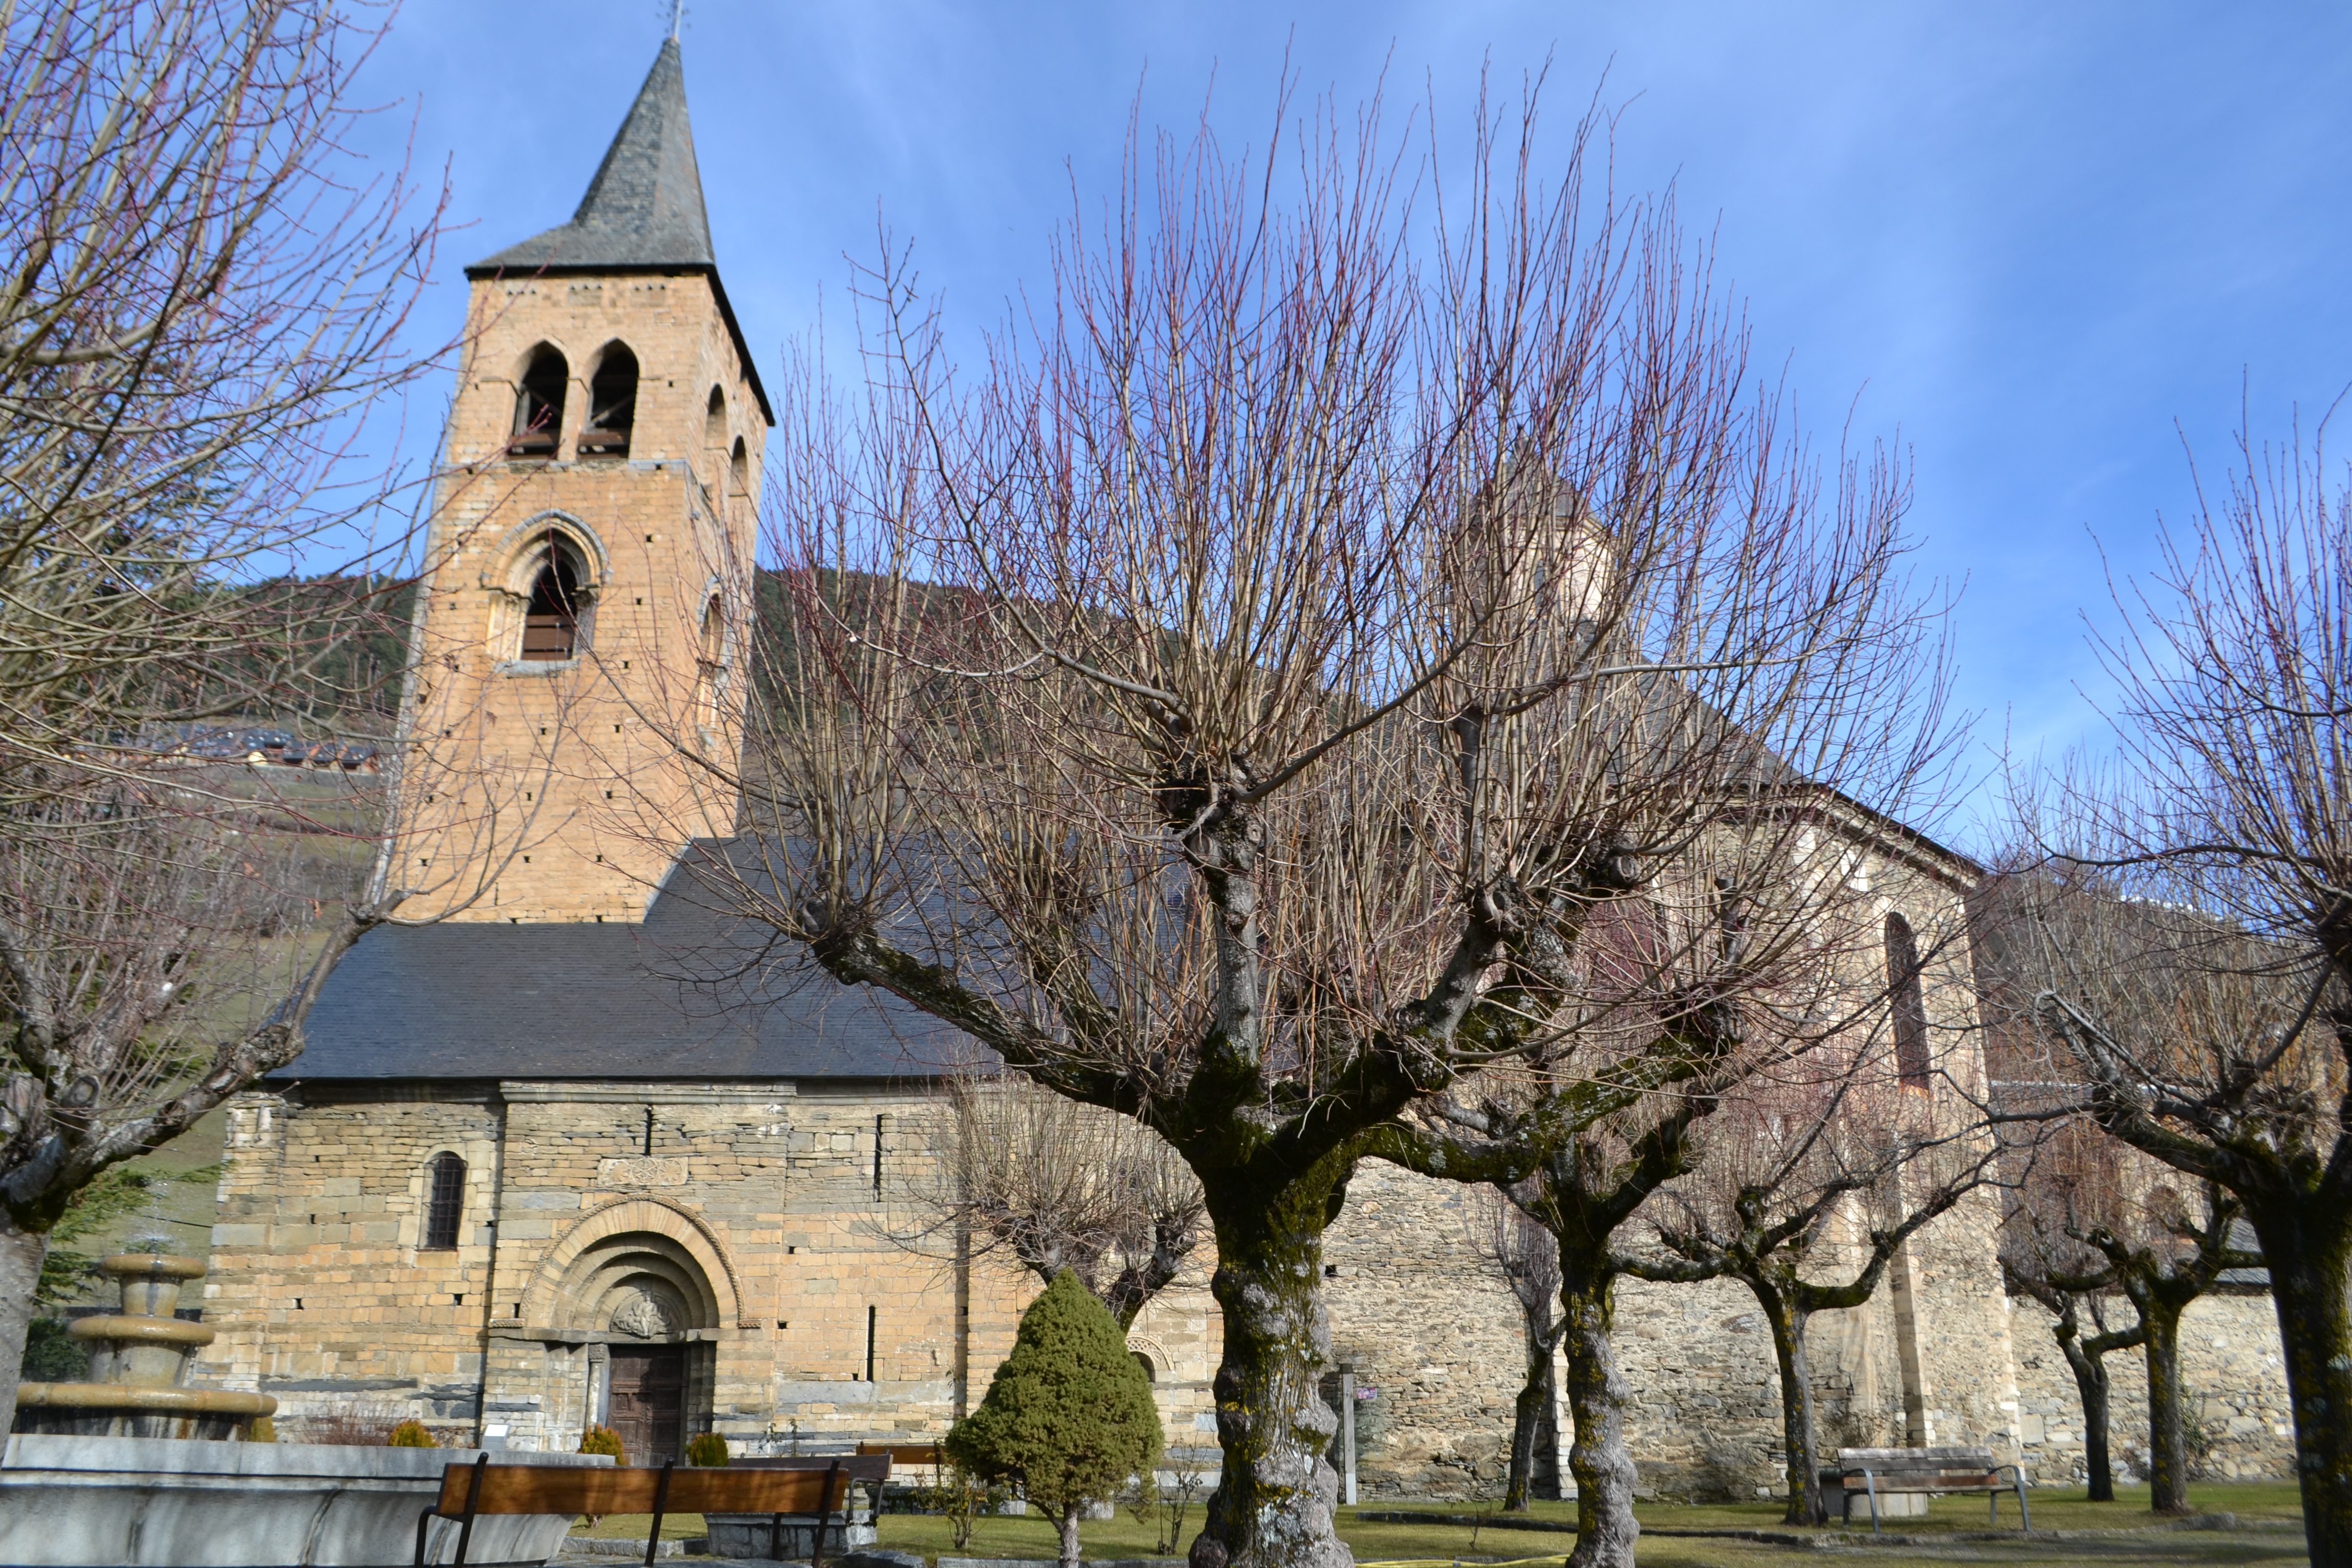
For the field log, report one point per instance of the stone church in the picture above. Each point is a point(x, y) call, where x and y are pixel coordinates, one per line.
point(533, 1171)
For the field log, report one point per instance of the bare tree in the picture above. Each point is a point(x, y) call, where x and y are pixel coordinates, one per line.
point(1521, 1254)
point(1789, 1169)
point(2044, 1258)
point(203, 302)
point(2198, 976)
point(1024, 1173)
point(1230, 703)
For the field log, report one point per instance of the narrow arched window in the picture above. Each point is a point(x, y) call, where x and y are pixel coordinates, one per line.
point(550, 621)
point(1909, 1003)
point(445, 1205)
point(612, 403)
point(738, 467)
point(714, 421)
point(539, 405)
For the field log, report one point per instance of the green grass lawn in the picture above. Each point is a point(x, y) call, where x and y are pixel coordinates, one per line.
point(2256, 1505)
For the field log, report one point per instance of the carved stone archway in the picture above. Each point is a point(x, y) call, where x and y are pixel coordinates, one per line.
point(637, 1258)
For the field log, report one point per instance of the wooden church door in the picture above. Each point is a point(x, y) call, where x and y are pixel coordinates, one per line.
point(649, 1402)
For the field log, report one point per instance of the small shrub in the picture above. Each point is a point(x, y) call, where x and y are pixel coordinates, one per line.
point(707, 1450)
point(261, 1430)
point(1070, 1411)
point(604, 1440)
point(411, 1434)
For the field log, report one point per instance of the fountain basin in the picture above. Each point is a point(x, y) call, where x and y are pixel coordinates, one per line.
point(75, 1502)
point(119, 1410)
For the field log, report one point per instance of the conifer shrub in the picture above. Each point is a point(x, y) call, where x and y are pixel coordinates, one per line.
point(411, 1434)
point(603, 1440)
point(1070, 1411)
point(707, 1450)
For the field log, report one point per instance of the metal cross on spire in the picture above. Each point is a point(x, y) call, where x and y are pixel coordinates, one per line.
point(676, 17)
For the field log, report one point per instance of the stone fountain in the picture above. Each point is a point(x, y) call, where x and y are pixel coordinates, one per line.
point(135, 1469)
point(138, 1366)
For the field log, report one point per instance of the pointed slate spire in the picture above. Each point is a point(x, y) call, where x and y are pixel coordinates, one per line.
point(644, 209)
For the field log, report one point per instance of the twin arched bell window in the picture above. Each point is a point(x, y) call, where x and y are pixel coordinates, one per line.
point(540, 398)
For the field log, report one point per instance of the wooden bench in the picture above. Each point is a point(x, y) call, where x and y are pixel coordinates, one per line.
point(913, 1454)
point(776, 1488)
point(1879, 1471)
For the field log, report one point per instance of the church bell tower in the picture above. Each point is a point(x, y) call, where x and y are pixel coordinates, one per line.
point(577, 673)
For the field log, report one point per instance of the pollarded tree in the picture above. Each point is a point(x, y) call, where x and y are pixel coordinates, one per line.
point(1056, 1186)
point(1522, 1255)
point(1805, 1178)
point(2195, 971)
point(1069, 1412)
point(1230, 704)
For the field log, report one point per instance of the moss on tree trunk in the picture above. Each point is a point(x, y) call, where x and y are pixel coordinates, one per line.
point(1276, 1492)
point(1605, 1527)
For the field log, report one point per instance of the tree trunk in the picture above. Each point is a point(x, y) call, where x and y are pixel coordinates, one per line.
point(1806, 1505)
point(1538, 1397)
point(2167, 1446)
point(1605, 1527)
point(1271, 1508)
point(1070, 1533)
point(2308, 1278)
point(2091, 1387)
point(21, 1252)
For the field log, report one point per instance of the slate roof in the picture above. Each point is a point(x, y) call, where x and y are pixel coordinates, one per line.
point(691, 993)
point(644, 210)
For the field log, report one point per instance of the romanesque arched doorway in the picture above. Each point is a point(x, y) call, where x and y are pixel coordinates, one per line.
point(649, 1310)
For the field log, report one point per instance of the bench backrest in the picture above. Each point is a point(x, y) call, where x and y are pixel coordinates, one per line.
point(569, 1489)
point(1947, 1458)
point(857, 1468)
point(905, 1453)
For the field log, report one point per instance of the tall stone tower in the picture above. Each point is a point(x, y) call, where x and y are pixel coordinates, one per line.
point(576, 663)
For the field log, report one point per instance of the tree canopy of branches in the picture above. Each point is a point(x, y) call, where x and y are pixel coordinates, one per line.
point(202, 300)
point(2193, 960)
point(1355, 590)
point(1056, 1186)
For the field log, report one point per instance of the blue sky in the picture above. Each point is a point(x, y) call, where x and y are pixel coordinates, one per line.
point(2034, 243)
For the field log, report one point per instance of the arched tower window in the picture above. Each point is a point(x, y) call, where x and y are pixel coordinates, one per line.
point(444, 1202)
point(1910, 1005)
point(551, 628)
point(738, 467)
point(539, 405)
point(612, 403)
point(714, 421)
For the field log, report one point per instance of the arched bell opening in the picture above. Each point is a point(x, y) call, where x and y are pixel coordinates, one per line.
point(612, 403)
point(539, 403)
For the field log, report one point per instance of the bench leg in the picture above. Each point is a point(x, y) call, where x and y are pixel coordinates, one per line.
point(472, 1498)
point(661, 1505)
point(423, 1524)
point(823, 1514)
point(776, 1538)
point(2024, 1514)
point(1871, 1482)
